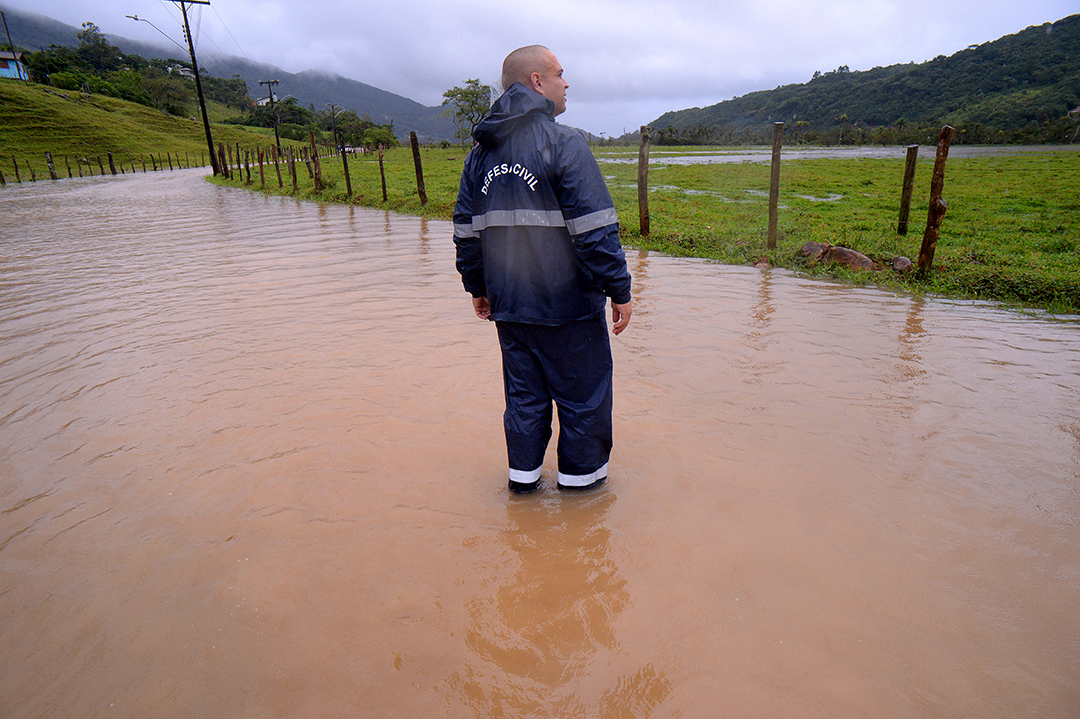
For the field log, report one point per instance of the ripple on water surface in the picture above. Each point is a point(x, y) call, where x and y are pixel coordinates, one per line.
point(251, 464)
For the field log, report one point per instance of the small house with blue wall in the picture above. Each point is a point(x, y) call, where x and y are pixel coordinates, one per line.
point(11, 66)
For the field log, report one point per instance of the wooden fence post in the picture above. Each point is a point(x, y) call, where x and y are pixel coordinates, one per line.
point(49, 162)
point(937, 204)
point(112, 163)
point(3, 180)
point(419, 169)
point(101, 167)
point(909, 183)
point(277, 165)
point(382, 172)
point(305, 157)
point(33, 175)
point(774, 183)
point(68, 165)
point(345, 165)
point(315, 160)
point(643, 180)
point(262, 175)
point(292, 170)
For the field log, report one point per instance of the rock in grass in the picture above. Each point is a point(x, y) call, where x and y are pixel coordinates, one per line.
point(848, 258)
point(813, 250)
point(902, 264)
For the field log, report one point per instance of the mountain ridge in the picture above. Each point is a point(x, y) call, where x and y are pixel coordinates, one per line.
point(1018, 88)
point(32, 31)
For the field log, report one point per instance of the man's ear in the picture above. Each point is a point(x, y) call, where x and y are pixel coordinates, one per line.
point(535, 79)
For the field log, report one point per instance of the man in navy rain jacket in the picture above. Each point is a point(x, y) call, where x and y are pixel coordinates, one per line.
point(538, 249)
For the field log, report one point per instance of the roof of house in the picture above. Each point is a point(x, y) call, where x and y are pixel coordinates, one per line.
point(8, 55)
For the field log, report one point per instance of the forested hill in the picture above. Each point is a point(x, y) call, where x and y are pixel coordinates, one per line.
point(1018, 89)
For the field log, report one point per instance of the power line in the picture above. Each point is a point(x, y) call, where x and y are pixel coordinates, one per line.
point(230, 33)
point(204, 55)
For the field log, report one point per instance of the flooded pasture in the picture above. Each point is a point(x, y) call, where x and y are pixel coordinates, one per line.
point(251, 465)
point(659, 155)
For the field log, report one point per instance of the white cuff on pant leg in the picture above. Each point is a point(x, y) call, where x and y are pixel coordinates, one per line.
point(523, 477)
point(582, 480)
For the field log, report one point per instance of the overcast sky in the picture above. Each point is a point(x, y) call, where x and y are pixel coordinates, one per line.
point(627, 61)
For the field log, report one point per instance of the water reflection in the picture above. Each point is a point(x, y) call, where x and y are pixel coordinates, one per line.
point(543, 615)
point(759, 335)
point(909, 370)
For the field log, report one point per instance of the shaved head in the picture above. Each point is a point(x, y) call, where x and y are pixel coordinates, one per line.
point(523, 62)
point(537, 68)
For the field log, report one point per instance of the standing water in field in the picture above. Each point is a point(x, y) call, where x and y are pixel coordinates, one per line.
point(252, 465)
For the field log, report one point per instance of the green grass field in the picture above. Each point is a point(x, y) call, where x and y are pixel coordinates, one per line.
point(35, 119)
point(1011, 234)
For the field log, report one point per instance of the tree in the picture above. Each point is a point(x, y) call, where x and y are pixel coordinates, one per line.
point(55, 59)
point(843, 121)
point(467, 106)
point(171, 95)
point(379, 135)
point(290, 111)
point(232, 93)
point(95, 52)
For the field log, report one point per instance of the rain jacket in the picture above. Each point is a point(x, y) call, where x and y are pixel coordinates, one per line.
point(534, 225)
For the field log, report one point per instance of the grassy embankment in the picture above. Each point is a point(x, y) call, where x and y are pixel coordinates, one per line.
point(1011, 234)
point(35, 119)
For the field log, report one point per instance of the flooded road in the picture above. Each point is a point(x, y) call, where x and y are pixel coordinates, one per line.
point(251, 465)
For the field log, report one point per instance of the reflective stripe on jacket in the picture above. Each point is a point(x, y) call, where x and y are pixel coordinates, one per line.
point(534, 225)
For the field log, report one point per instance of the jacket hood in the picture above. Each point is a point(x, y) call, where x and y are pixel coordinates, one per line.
point(514, 108)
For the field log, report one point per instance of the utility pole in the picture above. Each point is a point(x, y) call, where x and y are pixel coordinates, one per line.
point(340, 143)
point(198, 82)
point(333, 122)
point(270, 88)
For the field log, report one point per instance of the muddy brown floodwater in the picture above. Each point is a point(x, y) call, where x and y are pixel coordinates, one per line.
point(251, 465)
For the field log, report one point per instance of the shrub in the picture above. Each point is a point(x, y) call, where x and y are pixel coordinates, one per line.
point(67, 80)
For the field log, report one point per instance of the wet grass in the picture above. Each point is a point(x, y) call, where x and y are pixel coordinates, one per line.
point(1012, 232)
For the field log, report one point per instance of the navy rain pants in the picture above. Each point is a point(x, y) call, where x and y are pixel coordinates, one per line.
point(571, 365)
